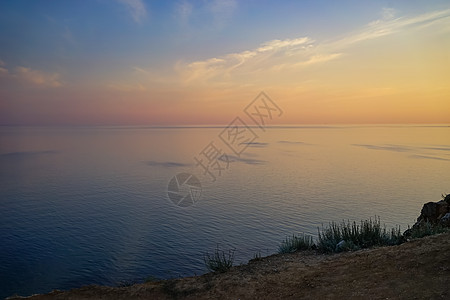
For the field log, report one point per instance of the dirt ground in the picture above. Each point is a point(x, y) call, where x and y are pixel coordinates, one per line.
point(419, 269)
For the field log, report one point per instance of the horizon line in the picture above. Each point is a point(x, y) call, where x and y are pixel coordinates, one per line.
point(298, 125)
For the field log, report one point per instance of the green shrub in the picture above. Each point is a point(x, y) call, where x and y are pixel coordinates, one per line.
point(126, 283)
point(220, 261)
point(351, 236)
point(296, 243)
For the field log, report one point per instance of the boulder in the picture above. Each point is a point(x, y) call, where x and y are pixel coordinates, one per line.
point(428, 212)
point(433, 211)
point(432, 215)
point(442, 208)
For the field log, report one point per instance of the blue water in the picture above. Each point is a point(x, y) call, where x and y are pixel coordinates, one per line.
point(89, 205)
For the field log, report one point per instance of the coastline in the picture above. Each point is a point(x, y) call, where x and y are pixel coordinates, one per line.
point(418, 269)
point(400, 266)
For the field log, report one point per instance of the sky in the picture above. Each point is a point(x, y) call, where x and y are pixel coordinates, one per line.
point(154, 62)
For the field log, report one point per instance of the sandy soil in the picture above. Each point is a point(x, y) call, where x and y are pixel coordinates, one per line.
point(419, 269)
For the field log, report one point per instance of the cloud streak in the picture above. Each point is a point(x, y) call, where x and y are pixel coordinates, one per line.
point(395, 148)
point(226, 65)
point(24, 154)
point(222, 11)
point(31, 77)
point(183, 11)
point(247, 161)
point(428, 157)
point(136, 9)
point(292, 142)
point(38, 78)
point(416, 152)
point(388, 25)
point(166, 164)
point(303, 52)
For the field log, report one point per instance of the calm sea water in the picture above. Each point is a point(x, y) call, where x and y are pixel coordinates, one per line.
point(90, 205)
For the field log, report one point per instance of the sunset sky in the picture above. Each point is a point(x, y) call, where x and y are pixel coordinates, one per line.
point(136, 62)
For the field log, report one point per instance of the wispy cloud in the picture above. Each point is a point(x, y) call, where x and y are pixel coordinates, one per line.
point(183, 11)
point(223, 66)
point(31, 77)
point(294, 62)
point(222, 11)
point(136, 8)
point(388, 13)
point(216, 13)
point(303, 52)
point(388, 25)
point(312, 60)
point(37, 77)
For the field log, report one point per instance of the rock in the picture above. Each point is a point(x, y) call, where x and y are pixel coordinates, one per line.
point(447, 198)
point(345, 246)
point(341, 246)
point(407, 234)
point(432, 214)
point(442, 208)
point(428, 211)
point(433, 211)
point(445, 220)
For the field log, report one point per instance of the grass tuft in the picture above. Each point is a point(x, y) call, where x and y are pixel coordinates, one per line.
point(257, 256)
point(351, 236)
point(126, 283)
point(296, 243)
point(219, 261)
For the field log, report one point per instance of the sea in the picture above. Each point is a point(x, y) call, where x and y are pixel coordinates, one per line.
point(114, 205)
